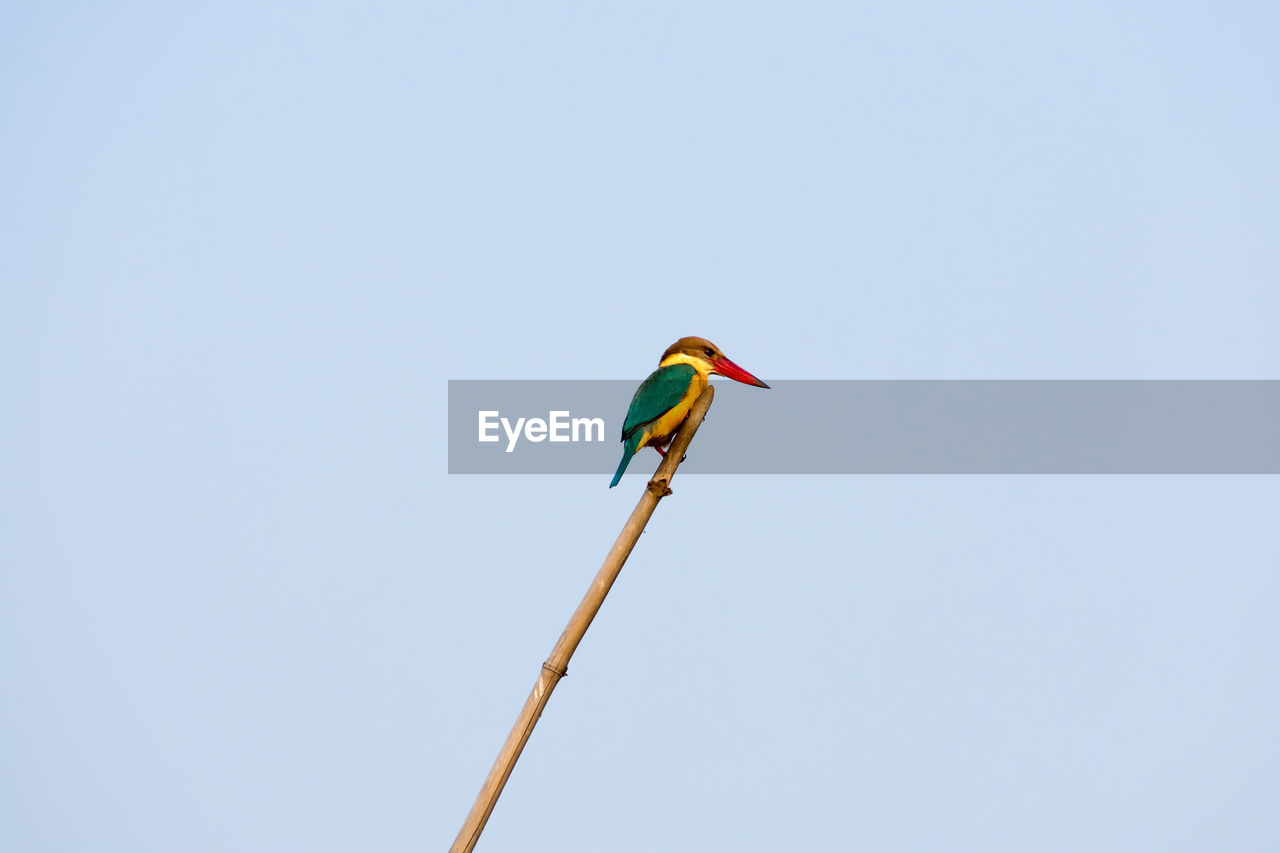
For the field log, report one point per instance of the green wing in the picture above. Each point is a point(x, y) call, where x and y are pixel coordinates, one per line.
point(657, 395)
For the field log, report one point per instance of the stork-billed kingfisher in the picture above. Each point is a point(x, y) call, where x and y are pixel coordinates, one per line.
point(664, 399)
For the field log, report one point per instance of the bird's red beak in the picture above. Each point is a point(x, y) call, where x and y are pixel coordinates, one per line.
point(725, 367)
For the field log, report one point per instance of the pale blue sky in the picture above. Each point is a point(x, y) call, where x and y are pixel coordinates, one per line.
point(242, 606)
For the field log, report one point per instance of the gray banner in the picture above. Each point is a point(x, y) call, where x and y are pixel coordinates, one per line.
point(883, 427)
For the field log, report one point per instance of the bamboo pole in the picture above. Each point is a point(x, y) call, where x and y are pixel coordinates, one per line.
point(556, 665)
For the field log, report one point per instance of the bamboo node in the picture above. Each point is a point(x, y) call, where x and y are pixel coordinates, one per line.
point(560, 672)
point(659, 487)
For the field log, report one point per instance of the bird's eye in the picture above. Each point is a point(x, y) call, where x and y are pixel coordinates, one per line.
point(710, 352)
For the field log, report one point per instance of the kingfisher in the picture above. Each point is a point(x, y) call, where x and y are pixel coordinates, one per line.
point(664, 399)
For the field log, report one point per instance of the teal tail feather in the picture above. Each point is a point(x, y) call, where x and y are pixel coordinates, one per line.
point(629, 448)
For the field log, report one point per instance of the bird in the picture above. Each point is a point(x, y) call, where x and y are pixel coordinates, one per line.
point(662, 401)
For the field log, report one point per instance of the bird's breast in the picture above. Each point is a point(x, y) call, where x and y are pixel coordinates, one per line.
point(665, 425)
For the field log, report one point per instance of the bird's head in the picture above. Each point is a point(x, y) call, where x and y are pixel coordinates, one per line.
point(706, 358)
